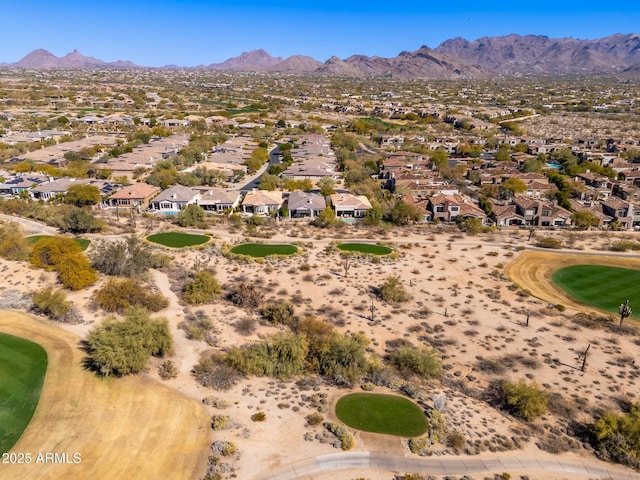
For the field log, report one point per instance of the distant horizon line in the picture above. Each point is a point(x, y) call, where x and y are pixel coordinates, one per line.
point(257, 49)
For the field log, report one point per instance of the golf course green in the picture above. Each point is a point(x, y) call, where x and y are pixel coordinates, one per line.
point(378, 413)
point(369, 248)
point(601, 287)
point(23, 365)
point(178, 239)
point(263, 249)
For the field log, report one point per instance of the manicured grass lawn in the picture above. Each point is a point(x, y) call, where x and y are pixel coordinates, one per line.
point(379, 413)
point(83, 242)
point(262, 249)
point(177, 239)
point(365, 248)
point(601, 287)
point(22, 368)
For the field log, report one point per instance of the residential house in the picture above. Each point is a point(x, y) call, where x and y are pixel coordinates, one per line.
point(626, 214)
point(219, 201)
point(446, 208)
point(174, 199)
point(137, 195)
point(305, 205)
point(507, 216)
point(21, 183)
point(347, 205)
point(262, 202)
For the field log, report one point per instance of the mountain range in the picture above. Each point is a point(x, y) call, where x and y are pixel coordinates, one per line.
point(511, 55)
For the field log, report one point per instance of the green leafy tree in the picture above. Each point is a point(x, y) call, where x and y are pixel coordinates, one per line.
point(326, 186)
point(123, 347)
point(373, 216)
point(524, 400)
point(79, 220)
point(513, 186)
point(82, 195)
point(403, 213)
point(192, 216)
point(326, 218)
point(585, 219)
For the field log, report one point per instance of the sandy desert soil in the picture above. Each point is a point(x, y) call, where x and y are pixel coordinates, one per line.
point(464, 303)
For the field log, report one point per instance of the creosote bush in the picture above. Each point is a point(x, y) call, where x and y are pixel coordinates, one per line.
point(342, 433)
point(51, 303)
point(393, 291)
point(202, 289)
point(122, 347)
point(424, 362)
point(259, 417)
point(118, 295)
point(524, 400)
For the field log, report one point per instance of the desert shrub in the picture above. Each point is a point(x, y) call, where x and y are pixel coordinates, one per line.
point(122, 347)
point(416, 445)
point(455, 440)
point(424, 362)
point(617, 436)
point(224, 448)
point(524, 400)
point(393, 291)
point(128, 257)
point(245, 326)
point(220, 422)
point(13, 243)
point(259, 417)
point(51, 303)
point(198, 327)
point(340, 356)
point(549, 242)
point(278, 313)
point(246, 295)
point(79, 220)
point(202, 289)
point(212, 372)
point(283, 356)
point(216, 402)
point(314, 419)
point(624, 245)
point(118, 295)
point(342, 434)
point(167, 370)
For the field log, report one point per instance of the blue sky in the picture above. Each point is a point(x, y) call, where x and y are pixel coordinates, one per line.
point(195, 32)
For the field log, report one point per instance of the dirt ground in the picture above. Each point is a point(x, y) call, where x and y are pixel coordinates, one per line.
point(469, 301)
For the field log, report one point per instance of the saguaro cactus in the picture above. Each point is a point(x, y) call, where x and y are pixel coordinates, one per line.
point(624, 311)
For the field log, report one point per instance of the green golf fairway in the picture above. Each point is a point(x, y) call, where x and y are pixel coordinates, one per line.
point(177, 239)
point(262, 250)
point(23, 365)
point(365, 248)
point(388, 414)
point(601, 287)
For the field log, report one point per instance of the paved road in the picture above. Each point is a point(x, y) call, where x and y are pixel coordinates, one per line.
point(451, 466)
